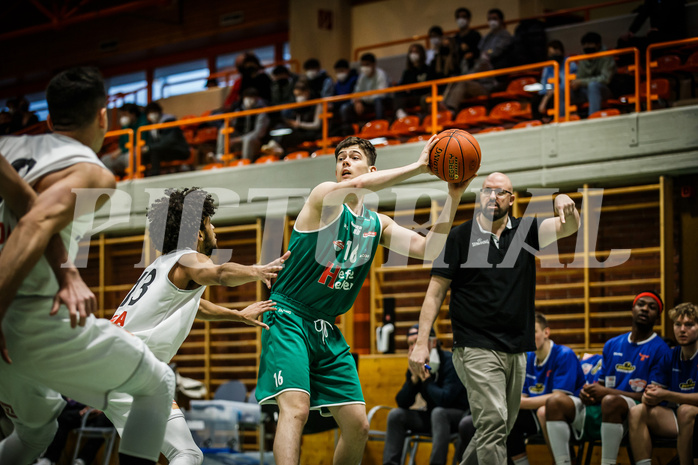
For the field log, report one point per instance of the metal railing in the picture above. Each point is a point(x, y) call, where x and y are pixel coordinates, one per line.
point(653, 64)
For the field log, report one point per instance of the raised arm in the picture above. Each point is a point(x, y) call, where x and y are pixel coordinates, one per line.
point(51, 211)
point(564, 224)
point(211, 312)
point(201, 269)
point(436, 292)
point(412, 244)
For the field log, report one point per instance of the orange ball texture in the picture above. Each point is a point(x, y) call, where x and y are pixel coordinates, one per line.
point(456, 156)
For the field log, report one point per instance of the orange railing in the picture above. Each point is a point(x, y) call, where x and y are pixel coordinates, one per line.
point(653, 64)
point(129, 146)
point(138, 170)
point(586, 9)
point(570, 77)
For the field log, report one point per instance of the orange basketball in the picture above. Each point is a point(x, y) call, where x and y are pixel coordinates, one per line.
point(456, 156)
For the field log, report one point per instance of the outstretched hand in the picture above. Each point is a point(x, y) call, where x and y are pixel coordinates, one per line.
point(249, 314)
point(269, 271)
point(75, 295)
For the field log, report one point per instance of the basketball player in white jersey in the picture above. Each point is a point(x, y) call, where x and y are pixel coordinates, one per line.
point(42, 354)
point(161, 307)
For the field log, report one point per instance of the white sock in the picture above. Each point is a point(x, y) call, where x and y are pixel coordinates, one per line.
point(522, 461)
point(644, 462)
point(612, 435)
point(559, 435)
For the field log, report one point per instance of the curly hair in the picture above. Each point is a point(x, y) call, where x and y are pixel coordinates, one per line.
point(168, 220)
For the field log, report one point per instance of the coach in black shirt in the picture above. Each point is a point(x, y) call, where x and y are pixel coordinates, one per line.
point(489, 265)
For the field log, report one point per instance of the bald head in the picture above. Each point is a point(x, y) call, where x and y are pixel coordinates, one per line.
point(498, 180)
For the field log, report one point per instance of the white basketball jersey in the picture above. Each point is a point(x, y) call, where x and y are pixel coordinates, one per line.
point(34, 157)
point(157, 311)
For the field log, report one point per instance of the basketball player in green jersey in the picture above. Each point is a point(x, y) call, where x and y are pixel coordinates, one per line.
point(305, 362)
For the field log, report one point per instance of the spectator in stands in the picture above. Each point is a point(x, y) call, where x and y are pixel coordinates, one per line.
point(630, 362)
point(345, 76)
point(253, 75)
point(305, 122)
point(70, 418)
point(675, 384)
point(446, 403)
point(593, 76)
point(466, 42)
point(667, 22)
point(166, 144)
point(130, 117)
point(556, 52)
point(416, 71)
point(282, 84)
point(21, 116)
point(439, 56)
point(320, 83)
point(370, 78)
point(234, 95)
point(251, 131)
point(496, 46)
point(5, 122)
point(550, 368)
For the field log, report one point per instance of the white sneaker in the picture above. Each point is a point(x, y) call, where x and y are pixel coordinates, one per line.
point(400, 113)
point(43, 461)
point(79, 462)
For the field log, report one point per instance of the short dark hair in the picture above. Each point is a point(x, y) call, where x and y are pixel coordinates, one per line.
point(496, 11)
point(591, 38)
point(557, 45)
point(414, 329)
point(541, 320)
point(370, 57)
point(131, 108)
point(363, 144)
point(167, 219)
point(153, 107)
point(279, 70)
point(463, 10)
point(436, 30)
point(302, 85)
point(250, 92)
point(75, 98)
point(311, 63)
point(341, 63)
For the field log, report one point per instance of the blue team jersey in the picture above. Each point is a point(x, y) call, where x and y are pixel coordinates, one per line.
point(678, 375)
point(629, 366)
point(591, 366)
point(560, 371)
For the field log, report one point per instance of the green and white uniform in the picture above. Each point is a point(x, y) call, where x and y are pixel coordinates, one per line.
point(303, 349)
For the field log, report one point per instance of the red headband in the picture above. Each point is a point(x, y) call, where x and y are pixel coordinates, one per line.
point(651, 296)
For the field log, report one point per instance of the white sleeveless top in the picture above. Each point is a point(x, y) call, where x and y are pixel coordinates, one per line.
point(157, 311)
point(34, 157)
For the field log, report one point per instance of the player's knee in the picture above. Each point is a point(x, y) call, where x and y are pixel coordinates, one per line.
point(556, 405)
point(686, 415)
point(637, 415)
point(613, 405)
point(540, 413)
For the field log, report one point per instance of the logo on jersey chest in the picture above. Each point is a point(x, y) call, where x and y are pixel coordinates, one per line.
point(637, 384)
point(537, 389)
point(480, 241)
point(338, 245)
point(689, 385)
point(625, 367)
point(356, 228)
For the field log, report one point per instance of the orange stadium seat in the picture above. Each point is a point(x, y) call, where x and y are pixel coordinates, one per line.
point(492, 129)
point(509, 112)
point(266, 159)
point(213, 166)
point(605, 113)
point(297, 155)
point(527, 124)
point(515, 89)
point(419, 138)
point(469, 117)
point(443, 118)
point(405, 126)
point(206, 135)
point(691, 64)
point(321, 152)
point(240, 162)
point(375, 128)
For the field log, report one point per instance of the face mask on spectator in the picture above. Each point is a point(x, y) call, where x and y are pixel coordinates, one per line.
point(558, 58)
point(462, 23)
point(248, 102)
point(342, 76)
point(125, 121)
point(153, 117)
point(311, 74)
point(366, 70)
point(414, 58)
point(588, 50)
point(301, 98)
point(435, 41)
point(494, 24)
